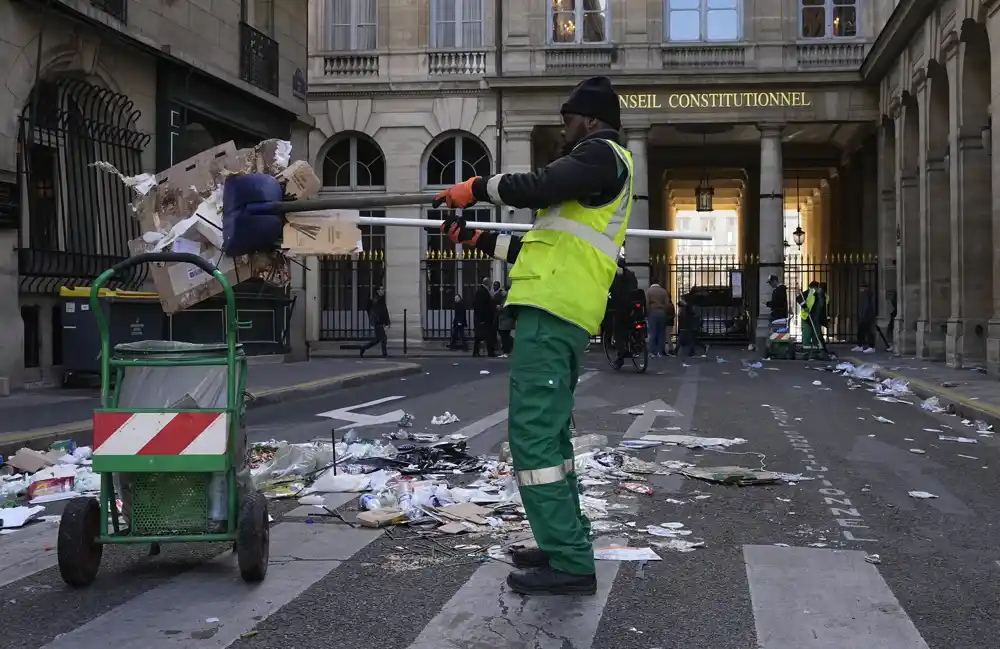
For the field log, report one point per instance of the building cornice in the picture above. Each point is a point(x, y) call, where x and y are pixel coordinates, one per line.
point(385, 91)
point(741, 77)
point(902, 25)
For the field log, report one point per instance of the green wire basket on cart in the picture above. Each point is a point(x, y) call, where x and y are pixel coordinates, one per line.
point(170, 447)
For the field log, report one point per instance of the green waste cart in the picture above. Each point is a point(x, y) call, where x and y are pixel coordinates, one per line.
point(170, 448)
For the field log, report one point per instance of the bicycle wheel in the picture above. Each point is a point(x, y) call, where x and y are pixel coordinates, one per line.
point(640, 352)
point(609, 347)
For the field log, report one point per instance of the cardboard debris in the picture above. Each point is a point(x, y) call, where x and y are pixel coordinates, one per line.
point(732, 475)
point(28, 460)
point(381, 517)
point(327, 232)
point(300, 181)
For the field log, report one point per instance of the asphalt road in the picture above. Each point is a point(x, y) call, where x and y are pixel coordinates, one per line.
point(783, 566)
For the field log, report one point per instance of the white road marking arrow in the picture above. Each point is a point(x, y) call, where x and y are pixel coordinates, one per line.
point(650, 411)
point(357, 419)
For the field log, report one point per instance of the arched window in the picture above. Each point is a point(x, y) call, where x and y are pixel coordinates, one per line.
point(455, 159)
point(354, 162)
point(452, 270)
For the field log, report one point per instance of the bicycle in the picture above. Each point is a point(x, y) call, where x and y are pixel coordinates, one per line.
point(637, 335)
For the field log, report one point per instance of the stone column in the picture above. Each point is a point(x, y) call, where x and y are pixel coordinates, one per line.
point(636, 249)
point(517, 159)
point(993, 335)
point(825, 222)
point(886, 226)
point(935, 280)
point(908, 249)
point(971, 216)
point(772, 217)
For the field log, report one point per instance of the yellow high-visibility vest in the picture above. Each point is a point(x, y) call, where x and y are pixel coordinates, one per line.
point(569, 257)
point(810, 301)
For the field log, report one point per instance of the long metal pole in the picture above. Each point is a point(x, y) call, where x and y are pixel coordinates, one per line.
point(524, 227)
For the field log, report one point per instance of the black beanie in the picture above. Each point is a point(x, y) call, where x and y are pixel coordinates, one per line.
point(595, 98)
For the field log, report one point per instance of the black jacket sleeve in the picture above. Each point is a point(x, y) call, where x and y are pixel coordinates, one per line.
point(591, 170)
point(488, 243)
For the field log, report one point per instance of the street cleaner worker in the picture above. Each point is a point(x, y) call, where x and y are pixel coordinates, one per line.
point(563, 269)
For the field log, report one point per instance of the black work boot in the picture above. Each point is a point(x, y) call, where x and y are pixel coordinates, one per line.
point(548, 581)
point(529, 558)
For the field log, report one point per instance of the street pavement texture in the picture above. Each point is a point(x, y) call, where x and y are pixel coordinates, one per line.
point(847, 559)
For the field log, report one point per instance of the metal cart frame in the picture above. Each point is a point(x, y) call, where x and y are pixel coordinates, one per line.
point(186, 447)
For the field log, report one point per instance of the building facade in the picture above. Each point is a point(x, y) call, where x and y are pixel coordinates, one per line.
point(788, 113)
point(140, 84)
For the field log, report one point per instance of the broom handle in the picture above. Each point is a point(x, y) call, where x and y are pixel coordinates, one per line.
point(368, 202)
point(350, 203)
point(524, 227)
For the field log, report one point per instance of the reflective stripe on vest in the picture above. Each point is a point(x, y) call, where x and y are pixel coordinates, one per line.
point(606, 241)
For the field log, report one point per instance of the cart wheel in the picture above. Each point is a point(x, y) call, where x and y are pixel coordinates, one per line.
point(253, 544)
point(77, 547)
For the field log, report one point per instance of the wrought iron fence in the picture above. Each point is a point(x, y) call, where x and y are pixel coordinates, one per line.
point(259, 62)
point(726, 289)
point(78, 220)
point(447, 273)
point(347, 283)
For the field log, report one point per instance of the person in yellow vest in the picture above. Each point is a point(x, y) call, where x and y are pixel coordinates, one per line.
point(808, 313)
point(563, 269)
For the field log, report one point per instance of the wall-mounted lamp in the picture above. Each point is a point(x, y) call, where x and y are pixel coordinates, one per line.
point(988, 137)
point(947, 156)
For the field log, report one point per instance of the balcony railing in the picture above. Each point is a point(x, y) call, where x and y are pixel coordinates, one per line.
point(456, 63)
point(704, 56)
point(350, 64)
point(831, 55)
point(579, 58)
point(114, 8)
point(258, 59)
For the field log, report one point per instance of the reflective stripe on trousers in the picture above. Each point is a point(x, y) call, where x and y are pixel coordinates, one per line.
point(548, 475)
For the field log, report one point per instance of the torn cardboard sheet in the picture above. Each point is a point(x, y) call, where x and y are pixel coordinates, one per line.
point(327, 232)
point(732, 475)
point(693, 441)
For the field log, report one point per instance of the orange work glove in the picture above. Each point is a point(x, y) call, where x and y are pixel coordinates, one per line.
point(458, 233)
point(457, 196)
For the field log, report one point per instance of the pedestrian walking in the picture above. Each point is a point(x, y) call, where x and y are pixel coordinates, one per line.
point(866, 319)
point(506, 328)
point(688, 325)
point(563, 269)
point(659, 310)
point(458, 325)
point(484, 319)
point(378, 316)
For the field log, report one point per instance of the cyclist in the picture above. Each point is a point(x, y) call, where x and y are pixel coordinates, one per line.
point(623, 288)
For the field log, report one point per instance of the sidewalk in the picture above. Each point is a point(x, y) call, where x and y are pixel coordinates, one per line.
point(38, 417)
point(974, 394)
point(351, 349)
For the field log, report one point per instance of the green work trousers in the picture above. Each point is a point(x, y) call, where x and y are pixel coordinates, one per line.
point(808, 334)
point(544, 369)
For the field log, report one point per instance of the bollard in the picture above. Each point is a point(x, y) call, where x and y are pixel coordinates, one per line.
point(404, 332)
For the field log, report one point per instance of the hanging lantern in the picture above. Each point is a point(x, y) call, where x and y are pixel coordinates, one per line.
point(703, 197)
point(799, 235)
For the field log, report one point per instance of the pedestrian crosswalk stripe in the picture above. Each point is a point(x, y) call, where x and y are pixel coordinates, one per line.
point(27, 551)
point(805, 598)
point(176, 614)
point(484, 613)
point(801, 598)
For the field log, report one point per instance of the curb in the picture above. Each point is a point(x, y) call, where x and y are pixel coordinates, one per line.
point(964, 406)
point(41, 438)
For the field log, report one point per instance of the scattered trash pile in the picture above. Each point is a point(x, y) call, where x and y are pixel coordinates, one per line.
point(37, 477)
point(428, 487)
point(895, 390)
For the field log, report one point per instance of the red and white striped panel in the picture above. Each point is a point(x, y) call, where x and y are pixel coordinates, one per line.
point(160, 433)
point(779, 336)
